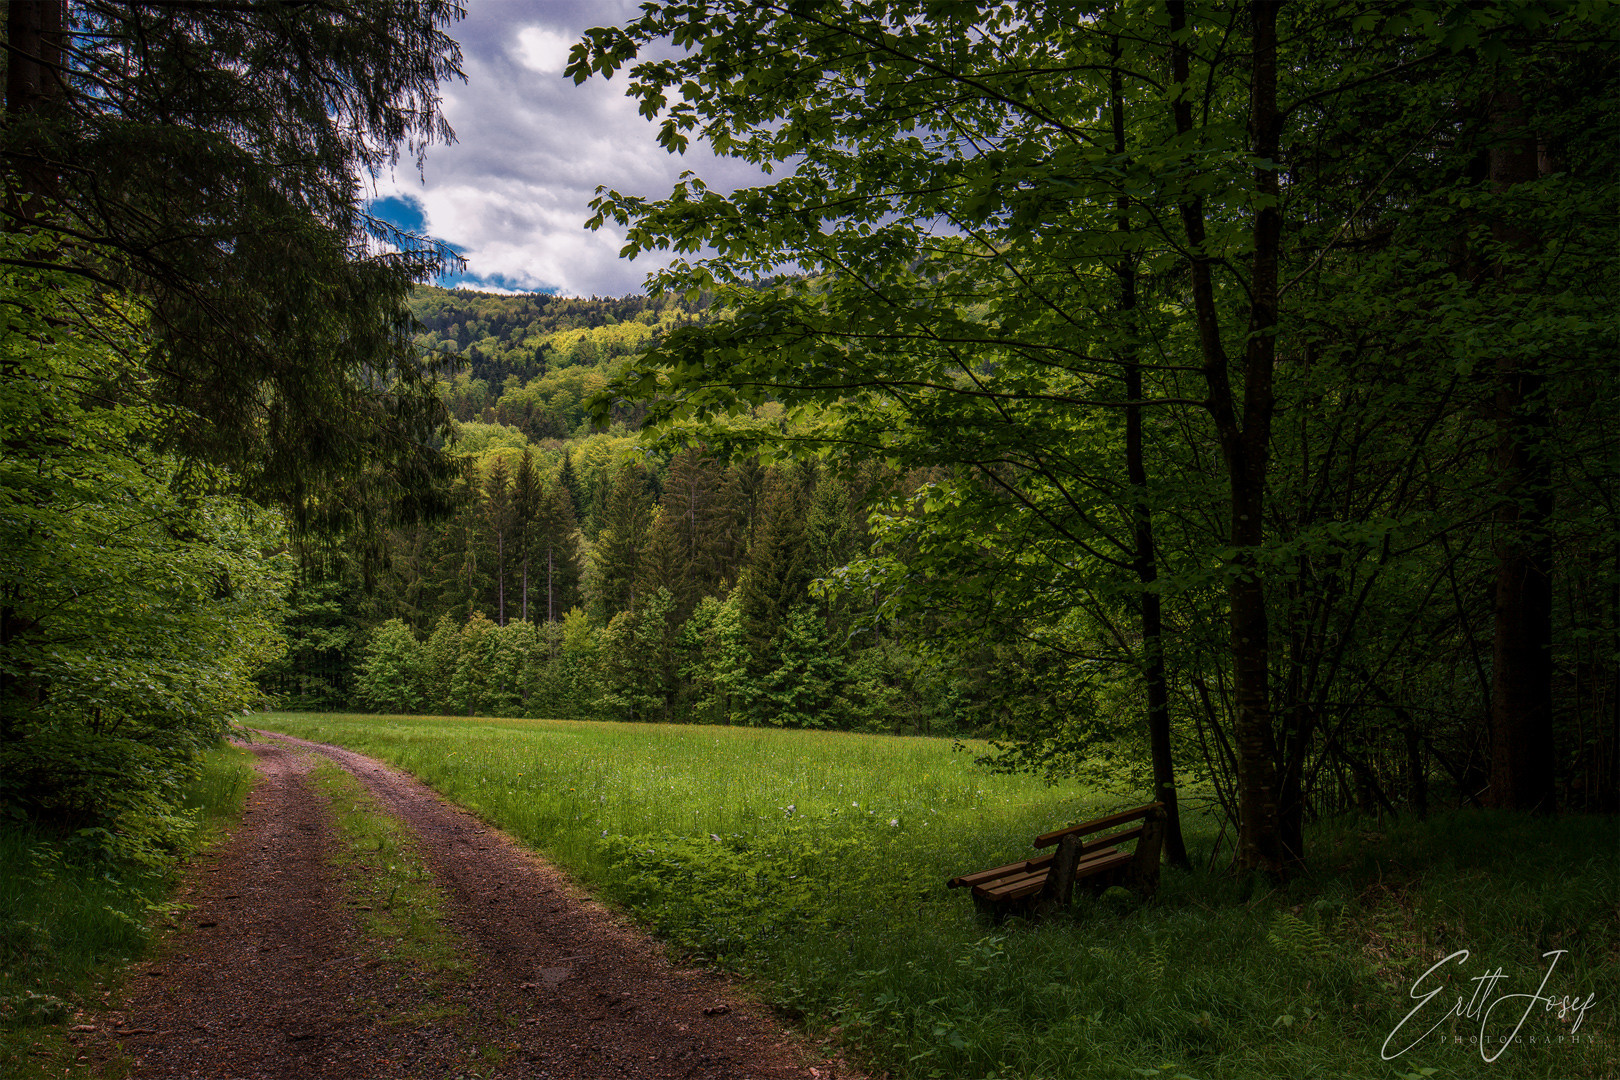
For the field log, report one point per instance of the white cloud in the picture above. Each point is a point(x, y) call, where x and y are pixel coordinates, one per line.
point(513, 193)
point(543, 50)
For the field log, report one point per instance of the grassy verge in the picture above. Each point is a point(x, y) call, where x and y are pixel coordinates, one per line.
point(70, 922)
point(814, 863)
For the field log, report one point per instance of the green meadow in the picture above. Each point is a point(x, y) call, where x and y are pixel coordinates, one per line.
point(814, 865)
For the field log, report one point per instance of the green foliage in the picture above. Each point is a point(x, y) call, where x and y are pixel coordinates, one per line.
point(510, 656)
point(391, 676)
point(636, 662)
point(799, 684)
point(472, 685)
point(71, 917)
point(324, 629)
point(139, 600)
point(717, 659)
point(440, 656)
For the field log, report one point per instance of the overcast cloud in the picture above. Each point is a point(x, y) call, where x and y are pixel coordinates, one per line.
point(512, 193)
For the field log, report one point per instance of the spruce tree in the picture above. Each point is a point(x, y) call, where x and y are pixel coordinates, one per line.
point(211, 151)
point(499, 519)
point(527, 494)
point(570, 482)
point(694, 541)
point(556, 550)
point(622, 544)
point(779, 571)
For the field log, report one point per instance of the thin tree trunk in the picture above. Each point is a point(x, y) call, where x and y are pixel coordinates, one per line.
point(1147, 571)
point(500, 580)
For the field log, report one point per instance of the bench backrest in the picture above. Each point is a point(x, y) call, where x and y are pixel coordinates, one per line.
point(1088, 827)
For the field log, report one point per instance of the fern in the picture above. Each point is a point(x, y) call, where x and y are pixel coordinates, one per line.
point(1293, 935)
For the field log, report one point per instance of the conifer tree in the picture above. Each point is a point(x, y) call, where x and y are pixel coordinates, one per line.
point(694, 540)
point(622, 544)
point(526, 497)
point(570, 482)
point(556, 549)
point(667, 562)
point(779, 563)
point(499, 518)
point(211, 151)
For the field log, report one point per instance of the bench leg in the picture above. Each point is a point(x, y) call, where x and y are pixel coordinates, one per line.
point(1059, 888)
point(1142, 875)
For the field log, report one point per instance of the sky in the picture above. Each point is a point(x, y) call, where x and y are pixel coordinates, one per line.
point(512, 193)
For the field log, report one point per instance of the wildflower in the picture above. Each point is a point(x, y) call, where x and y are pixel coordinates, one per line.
point(894, 823)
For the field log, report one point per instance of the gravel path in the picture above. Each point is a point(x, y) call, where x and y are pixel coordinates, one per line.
point(269, 977)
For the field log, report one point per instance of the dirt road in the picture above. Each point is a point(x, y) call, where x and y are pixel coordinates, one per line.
point(271, 976)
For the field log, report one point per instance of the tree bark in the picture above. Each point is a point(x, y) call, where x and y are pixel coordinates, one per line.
point(1522, 758)
point(1245, 442)
point(1147, 571)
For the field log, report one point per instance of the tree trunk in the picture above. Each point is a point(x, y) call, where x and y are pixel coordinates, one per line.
point(500, 580)
point(1522, 761)
point(1147, 571)
point(1245, 442)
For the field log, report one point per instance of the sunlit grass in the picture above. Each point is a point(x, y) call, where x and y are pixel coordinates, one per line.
point(561, 784)
point(815, 863)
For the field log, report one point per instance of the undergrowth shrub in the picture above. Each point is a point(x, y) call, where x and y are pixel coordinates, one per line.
point(72, 911)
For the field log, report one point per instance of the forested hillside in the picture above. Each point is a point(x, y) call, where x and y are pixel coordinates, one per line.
point(586, 575)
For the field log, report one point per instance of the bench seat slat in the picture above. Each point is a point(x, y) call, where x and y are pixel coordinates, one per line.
point(1008, 886)
point(1022, 885)
point(1088, 827)
point(1040, 862)
point(1019, 867)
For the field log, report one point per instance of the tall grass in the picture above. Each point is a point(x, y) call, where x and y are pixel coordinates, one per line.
point(70, 919)
point(815, 864)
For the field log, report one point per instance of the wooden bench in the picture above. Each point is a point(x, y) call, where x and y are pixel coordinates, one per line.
point(1046, 883)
